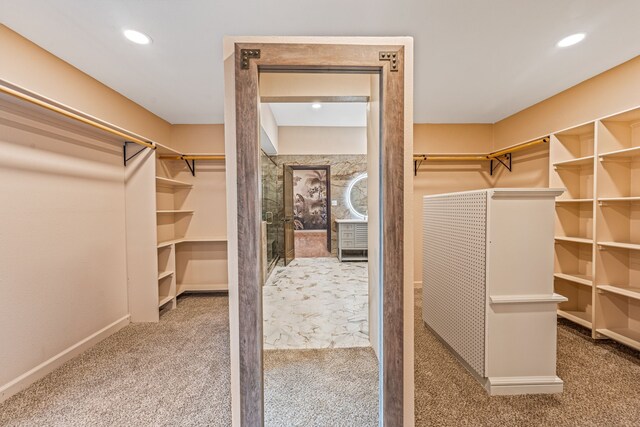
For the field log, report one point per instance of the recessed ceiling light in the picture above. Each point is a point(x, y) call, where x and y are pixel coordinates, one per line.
point(316, 106)
point(571, 40)
point(137, 37)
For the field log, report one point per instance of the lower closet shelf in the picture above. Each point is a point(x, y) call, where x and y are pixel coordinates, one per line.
point(625, 336)
point(164, 300)
point(164, 274)
point(199, 287)
point(580, 317)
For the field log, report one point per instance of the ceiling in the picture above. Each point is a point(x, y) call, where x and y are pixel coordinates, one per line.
point(337, 114)
point(476, 61)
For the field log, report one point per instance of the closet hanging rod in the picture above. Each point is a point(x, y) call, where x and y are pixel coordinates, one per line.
point(33, 99)
point(502, 157)
point(488, 156)
point(194, 157)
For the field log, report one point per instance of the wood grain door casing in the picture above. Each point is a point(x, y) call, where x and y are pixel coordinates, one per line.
point(250, 59)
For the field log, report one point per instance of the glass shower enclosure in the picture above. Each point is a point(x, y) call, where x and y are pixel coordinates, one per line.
point(272, 210)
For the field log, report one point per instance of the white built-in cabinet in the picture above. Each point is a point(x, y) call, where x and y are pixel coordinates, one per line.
point(597, 256)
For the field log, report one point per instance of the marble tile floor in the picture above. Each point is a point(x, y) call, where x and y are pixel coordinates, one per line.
point(316, 303)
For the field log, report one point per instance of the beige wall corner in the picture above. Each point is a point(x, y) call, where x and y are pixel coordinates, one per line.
point(68, 85)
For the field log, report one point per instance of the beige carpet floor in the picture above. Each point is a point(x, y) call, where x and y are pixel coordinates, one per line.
point(176, 373)
point(601, 386)
point(172, 373)
point(335, 387)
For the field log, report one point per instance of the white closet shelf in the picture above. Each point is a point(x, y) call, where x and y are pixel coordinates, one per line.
point(621, 154)
point(580, 317)
point(574, 201)
point(619, 199)
point(581, 161)
point(626, 336)
point(626, 291)
point(192, 240)
point(620, 245)
point(527, 299)
point(200, 287)
point(574, 240)
point(176, 211)
point(164, 300)
point(582, 279)
point(164, 274)
point(171, 183)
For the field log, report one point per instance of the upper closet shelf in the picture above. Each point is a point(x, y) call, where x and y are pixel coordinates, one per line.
point(634, 199)
point(621, 154)
point(626, 291)
point(581, 161)
point(574, 239)
point(192, 240)
point(166, 182)
point(620, 245)
point(574, 201)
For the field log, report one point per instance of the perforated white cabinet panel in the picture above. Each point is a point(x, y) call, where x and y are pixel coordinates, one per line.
point(453, 272)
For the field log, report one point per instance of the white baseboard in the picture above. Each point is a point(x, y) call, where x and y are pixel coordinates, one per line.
point(503, 386)
point(45, 368)
point(417, 285)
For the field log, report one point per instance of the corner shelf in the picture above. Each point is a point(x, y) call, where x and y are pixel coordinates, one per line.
point(581, 279)
point(163, 300)
point(174, 211)
point(164, 274)
point(171, 183)
point(192, 240)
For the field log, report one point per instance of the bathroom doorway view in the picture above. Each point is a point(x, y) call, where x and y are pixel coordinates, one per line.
point(320, 365)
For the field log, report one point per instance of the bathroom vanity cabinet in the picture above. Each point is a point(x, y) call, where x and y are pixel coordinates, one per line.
point(352, 239)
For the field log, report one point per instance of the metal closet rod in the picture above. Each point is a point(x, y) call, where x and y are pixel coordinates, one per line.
point(73, 115)
point(488, 156)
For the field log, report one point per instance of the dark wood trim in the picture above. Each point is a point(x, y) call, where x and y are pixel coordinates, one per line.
point(308, 99)
point(328, 169)
point(320, 58)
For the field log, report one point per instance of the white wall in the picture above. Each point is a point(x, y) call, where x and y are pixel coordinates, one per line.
point(270, 128)
point(373, 208)
point(62, 244)
point(322, 140)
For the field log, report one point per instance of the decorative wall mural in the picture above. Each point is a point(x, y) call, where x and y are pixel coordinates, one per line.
point(311, 190)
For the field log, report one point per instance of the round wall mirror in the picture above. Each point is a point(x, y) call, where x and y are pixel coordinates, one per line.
point(357, 196)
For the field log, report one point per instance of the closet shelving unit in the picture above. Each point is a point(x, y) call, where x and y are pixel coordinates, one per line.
point(190, 257)
point(597, 258)
point(572, 167)
point(617, 297)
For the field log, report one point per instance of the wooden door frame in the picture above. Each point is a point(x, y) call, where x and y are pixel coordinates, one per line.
point(388, 62)
point(327, 168)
